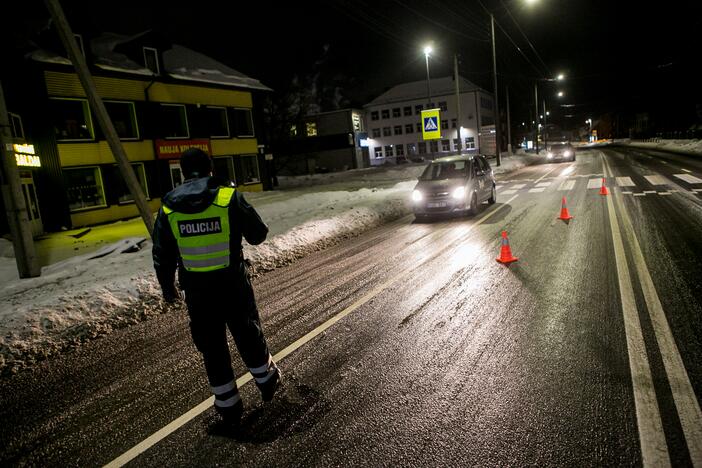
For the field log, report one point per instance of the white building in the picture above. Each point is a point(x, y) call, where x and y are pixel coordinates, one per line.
point(393, 120)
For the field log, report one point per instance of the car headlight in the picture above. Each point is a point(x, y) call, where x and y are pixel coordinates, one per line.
point(459, 193)
point(549, 155)
point(567, 153)
point(417, 196)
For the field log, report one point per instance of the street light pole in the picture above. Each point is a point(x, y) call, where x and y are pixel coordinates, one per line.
point(536, 114)
point(497, 106)
point(427, 51)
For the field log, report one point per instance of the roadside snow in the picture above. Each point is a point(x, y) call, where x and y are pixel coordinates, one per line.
point(692, 147)
point(91, 294)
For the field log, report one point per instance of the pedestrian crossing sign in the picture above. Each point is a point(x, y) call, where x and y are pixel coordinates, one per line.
point(431, 124)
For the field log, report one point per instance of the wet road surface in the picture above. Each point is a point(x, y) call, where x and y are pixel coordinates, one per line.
point(584, 352)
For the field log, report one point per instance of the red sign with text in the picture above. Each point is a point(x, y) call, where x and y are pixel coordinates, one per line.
point(172, 149)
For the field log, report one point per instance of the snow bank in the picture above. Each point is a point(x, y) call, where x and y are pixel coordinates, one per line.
point(692, 147)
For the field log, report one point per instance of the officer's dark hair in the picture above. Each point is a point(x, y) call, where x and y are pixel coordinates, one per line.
point(195, 163)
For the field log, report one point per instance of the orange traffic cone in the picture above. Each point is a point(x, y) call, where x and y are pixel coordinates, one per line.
point(505, 252)
point(603, 190)
point(565, 216)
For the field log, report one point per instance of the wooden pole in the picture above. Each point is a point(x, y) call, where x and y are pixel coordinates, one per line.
point(98, 107)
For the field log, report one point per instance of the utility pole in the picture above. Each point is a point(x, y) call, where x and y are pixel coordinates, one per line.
point(98, 107)
point(426, 56)
point(17, 216)
point(545, 130)
point(536, 114)
point(458, 103)
point(509, 127)
point(497, 106)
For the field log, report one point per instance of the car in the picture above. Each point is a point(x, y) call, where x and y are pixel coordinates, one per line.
point(454, 184)
point(561, 151)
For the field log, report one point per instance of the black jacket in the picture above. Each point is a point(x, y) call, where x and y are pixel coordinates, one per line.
point(194, 196)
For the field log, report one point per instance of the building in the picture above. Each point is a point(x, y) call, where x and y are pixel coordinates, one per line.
point(393, 121)
point(326, 142)
point(162, 98)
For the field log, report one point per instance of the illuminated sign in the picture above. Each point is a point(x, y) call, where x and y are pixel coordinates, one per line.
point(25, 156)
point(172, 149)
point(431, 124)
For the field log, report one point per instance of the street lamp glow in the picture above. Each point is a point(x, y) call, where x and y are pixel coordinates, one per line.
point(560, 77)
point(560, 93)
point(548, 112)
point(428, 50)
point(531, 2)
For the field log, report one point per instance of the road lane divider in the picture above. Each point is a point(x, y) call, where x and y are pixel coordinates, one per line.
point(684, 396)
point(188, 416)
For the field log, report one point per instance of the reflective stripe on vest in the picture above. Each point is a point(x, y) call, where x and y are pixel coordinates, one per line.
point(203, 238)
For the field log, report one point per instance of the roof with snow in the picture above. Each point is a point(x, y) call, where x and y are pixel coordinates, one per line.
point(418, 90)
point(179, 62)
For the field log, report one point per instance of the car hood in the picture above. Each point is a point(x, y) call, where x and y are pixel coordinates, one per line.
point(438, 185)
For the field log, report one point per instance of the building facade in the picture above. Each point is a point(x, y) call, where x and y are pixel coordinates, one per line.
point(162, 99)
point(393, 121)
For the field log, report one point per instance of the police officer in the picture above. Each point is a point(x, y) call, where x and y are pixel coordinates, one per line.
point(198, 231)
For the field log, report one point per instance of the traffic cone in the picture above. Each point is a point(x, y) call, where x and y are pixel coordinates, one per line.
point(505, 252)
point(603, 190)
point(565, 216)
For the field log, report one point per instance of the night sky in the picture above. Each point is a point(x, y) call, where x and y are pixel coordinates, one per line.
point(616, 54)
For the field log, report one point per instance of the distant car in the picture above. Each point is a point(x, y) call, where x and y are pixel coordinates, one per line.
point(562, 151)
point(454, 184)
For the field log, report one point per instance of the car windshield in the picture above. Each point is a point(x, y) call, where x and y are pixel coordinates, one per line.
point(560, 146)
point(445, 170)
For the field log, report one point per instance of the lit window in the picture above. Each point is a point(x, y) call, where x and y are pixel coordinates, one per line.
point(174, 121)
point(123, 193)
point(84, 188)
point(71, 119)
point(311, 128)
point(293, 130)
point(378, 151)
point(151, 60)
point(123, 118)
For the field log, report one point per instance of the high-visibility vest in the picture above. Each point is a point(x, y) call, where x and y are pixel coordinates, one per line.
point(203, 238)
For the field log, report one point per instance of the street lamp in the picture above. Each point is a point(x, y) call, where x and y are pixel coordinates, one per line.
point(561, 93)
point(427, 51)
point(560, 77)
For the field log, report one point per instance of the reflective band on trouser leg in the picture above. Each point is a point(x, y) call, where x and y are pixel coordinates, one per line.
point(226, 395)
point(263, 373)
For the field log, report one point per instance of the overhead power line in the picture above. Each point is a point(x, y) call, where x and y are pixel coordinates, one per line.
point(519, 28)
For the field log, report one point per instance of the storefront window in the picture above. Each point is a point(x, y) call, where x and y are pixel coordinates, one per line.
point(123, 118)
point(249, 166)
point(174, 121)
point(217, 123)
point(224, 168)
point(243, 123)
point(71, 119)
point(124, 195)
point(84, 188)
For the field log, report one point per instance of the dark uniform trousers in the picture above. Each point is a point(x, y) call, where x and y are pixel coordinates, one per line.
point(217, 301)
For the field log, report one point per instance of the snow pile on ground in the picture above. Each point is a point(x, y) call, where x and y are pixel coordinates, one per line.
point(680, 146)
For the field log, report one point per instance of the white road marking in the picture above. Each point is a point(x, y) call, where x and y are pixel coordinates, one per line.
point(567, 171)
point(690, 179)
point(654, 450)
point(664, 193)
point(567, 185)
point(540, 178)
point(508, 192)
point(537, 190)
point(639, 194)
point(686, 170)
point(180, 421)
point(594, 183)
point(684, 396)
point(626, 193)
point(649, 191)
point(543, 184)
point(656, 180)
point(625, 182)
point(498, 187)
point(518, 186)
point(696, 190)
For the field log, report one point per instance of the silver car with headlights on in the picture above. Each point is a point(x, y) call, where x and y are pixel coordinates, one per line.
point(560, 151)
point(454, 184)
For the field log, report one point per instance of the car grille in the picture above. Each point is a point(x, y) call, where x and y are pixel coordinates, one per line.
point(438, 195)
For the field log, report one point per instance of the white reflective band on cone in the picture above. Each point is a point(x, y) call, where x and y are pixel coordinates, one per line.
point(218, 390)
point(228, 402)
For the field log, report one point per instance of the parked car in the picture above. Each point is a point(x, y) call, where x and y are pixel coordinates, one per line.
point(454, 184)
point(561, 151)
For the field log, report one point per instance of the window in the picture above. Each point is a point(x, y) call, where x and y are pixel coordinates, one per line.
point(386, 131)
point(84, 188)
point(217, 121)
point(398, 129)
point(431, 105)
point(378, 151)
point(124, 196)
point(374, 115)
point(407, 110)
point(456, 142)
point(470, 143)
point(79, 40)
point(399, 150)
point(388, 151)
point(434, 146)
point(71, 119)
point(484, 165)
point(174, 121)
point(385, 113)
point(418, 109)
point(376, 133)
point(453, 123)
point(445, 145)
point(409, 128)
point(422, 145)
point(396, 112)
point(443, 106)
point(444, 124)
point(485, 103)
point(311, 128)
point(151, 60)
point(224, 168)
point(411, 148)
point(16, 126)
point(123, 118)
point(249, 169)
point(419, 127)
point(243, 123)
point(293, 130)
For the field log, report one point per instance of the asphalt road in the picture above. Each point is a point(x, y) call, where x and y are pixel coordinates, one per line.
point(584, 352)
